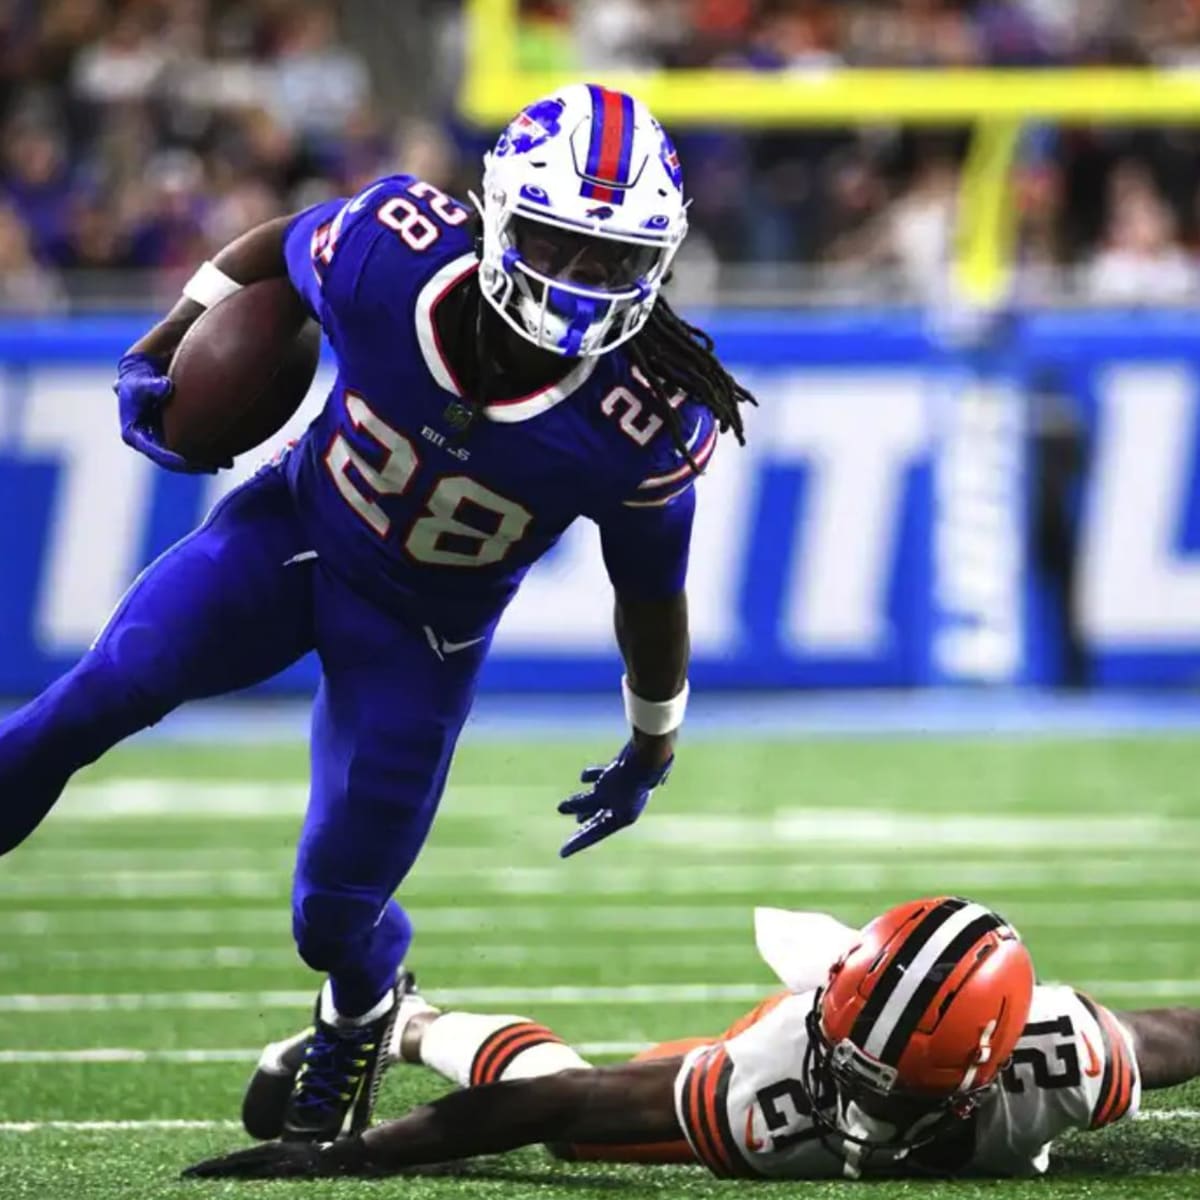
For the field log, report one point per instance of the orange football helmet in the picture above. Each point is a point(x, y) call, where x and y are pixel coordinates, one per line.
point(919, 1017)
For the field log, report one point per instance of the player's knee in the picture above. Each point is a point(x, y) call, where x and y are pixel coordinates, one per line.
point(337, 932)
point(133, 667)
point(100, 693)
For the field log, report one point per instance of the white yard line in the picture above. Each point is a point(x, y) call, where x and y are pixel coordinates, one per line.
point(43, 1003)
point(166, 958)
point(37, 1004)
point(161, 1126)
point(908, 874)
point(557, 952)
point(1156, 988)
point(118, 1055)
point(551, 956)
point(174, 797)
point(125, 1054)
point(145, 884)
point(170, 796)
point(112, 1126)
point(90, 923)
point(865, 829)
point(94, 923)
point(804, 833)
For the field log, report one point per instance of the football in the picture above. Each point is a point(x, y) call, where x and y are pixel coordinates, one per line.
point(240, 372)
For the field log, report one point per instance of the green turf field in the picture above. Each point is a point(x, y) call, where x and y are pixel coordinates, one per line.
point(148, 918)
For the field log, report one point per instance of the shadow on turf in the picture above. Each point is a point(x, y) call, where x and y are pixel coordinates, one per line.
point(1121, 1153)
point(494, 1171)
point(1140, 1151)
point(1124, 1152)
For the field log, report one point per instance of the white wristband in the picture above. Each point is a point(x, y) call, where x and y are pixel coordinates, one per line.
point(210, 285)
point(654, 717)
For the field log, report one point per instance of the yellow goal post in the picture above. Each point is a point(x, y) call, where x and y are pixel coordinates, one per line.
point(995, 103)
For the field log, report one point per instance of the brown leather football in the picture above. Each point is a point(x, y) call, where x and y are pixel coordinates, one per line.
point(240, 372)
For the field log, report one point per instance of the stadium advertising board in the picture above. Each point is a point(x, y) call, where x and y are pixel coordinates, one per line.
point(903, 514)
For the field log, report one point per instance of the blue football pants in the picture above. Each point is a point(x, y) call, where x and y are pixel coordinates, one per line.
point(234, 603)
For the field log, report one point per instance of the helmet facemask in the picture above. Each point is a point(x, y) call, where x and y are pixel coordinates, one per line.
point(569, 289)
point(854, 1098)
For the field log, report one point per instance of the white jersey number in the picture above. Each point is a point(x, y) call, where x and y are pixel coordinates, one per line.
point(444, 539)
point(413, 227)
point(391, 478)
point(443, 536)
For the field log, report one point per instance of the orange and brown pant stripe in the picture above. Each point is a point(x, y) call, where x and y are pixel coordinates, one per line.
point(678, 1150)
point(705, 1113)
point(1117, 1083)
point(500, 1050)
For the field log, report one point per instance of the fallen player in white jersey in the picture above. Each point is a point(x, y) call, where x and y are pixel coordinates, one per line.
point(920, 1044)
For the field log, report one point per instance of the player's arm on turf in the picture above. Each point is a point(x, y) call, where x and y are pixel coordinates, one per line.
point(630, 1102)
point(254, 256)
point(1167, 1041)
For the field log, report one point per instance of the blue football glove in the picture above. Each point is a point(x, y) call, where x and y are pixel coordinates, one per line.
point(616, 798)
point(142, 390)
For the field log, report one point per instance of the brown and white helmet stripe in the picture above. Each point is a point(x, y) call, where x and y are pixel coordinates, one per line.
point(923, 1012)
point(936, 942)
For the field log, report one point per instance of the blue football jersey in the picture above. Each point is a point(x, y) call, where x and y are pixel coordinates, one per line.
point(410, 512)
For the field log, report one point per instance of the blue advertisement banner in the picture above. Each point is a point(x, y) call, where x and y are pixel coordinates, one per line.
point(905, 513)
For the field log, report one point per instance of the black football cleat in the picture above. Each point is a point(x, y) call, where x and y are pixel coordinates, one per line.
point(270, 1087)
point(323, 1082)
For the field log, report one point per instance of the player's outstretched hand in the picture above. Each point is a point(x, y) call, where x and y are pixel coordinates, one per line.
point(285, 1160)
point(142, 390)
point(616, 798)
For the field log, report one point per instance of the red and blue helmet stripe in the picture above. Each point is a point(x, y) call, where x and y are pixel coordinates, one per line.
point(610, 148)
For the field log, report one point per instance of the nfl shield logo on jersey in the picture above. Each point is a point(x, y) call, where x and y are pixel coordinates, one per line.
point(458, 415)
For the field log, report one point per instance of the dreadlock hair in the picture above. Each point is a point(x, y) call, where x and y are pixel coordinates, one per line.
point(671, 355)
point(674, 356)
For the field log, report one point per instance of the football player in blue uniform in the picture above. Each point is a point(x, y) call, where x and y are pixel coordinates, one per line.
point(496, 380)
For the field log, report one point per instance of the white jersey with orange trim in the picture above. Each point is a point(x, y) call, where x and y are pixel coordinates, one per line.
point(745, 1112)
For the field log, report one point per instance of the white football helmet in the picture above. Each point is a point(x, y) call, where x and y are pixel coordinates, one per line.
point(583, 212)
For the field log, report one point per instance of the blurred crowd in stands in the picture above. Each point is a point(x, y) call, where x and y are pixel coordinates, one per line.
point(138, 135)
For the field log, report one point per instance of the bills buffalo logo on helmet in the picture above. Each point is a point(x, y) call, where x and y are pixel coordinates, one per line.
point(531, 127)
